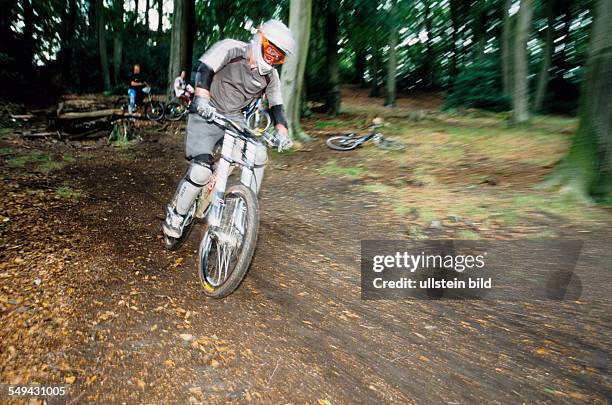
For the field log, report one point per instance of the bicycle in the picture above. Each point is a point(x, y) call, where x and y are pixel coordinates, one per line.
point(231, 213)
point(153, 109)
point(352, 141)
point(176, 110)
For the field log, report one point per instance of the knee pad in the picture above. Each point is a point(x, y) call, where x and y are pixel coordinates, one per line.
point(199, 173)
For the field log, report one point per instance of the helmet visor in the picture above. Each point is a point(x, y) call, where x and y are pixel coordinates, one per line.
point(271, 54)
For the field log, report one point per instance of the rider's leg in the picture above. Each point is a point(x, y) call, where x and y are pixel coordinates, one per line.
point(199, 143)
point(197, 176)
point(132, 102)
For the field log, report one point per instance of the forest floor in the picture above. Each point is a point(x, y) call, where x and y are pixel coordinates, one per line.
point(89, 296)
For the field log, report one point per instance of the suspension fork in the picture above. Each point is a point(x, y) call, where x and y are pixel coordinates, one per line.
point(218, 194)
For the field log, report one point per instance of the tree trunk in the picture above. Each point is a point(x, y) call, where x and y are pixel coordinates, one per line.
point(191, 34)
point(360, 64)
point(92, 29)
point(100, 24)
point(479, 30)
point(331, 43)
point(390, 92)
point(179, 43)
point(506, 48)
point(29, 42)
point(428, 65)
point(300, 14)
point(136, 11)
point(546, 57)
point(587, 168)
point(160, 15)
point(375, 68)
point(118, 42)
point(455, 26)
point(520, 93)
point(65, 55)
point(147, 7)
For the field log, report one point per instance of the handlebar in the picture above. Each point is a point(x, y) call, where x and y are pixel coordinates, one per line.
point(226, 123)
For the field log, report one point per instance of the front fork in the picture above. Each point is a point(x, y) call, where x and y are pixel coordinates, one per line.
point(221, 174)
point(251, 177)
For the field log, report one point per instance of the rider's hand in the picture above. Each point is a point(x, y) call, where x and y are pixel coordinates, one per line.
point(284, 142)
point(202, 106)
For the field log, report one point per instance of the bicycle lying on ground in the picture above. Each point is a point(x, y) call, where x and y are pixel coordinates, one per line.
point(231, 212)
point(352, 141)
point(255, 115)
point(153, 109)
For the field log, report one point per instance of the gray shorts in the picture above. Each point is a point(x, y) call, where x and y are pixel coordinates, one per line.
point(202, 135)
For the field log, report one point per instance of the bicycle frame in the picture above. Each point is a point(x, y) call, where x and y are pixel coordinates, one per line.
point(237, 150)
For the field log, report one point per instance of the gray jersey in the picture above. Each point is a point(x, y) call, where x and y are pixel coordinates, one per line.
point(235, 83)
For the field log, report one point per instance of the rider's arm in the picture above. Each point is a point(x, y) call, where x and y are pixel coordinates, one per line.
point(219, 55)
point(275, 101)
point(204, 76)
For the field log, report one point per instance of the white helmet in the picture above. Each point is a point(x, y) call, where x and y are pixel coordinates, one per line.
point(278, 34)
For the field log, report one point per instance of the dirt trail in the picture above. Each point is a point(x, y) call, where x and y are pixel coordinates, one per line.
point(138, 328)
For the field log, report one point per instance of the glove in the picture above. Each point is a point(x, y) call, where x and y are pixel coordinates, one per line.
point(201, 105)
point(284, 142)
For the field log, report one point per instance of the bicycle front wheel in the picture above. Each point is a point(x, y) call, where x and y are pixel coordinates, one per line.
point(154, 110)
point(259, 121)
point(225, 253)
point(342, 142)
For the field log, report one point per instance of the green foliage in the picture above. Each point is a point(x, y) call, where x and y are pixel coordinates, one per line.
point(479, 86)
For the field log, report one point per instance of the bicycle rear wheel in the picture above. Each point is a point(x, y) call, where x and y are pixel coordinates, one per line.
point(342, 142)
point(175, 111)
point(154, 110)
point(225, 253)
point(390, 144)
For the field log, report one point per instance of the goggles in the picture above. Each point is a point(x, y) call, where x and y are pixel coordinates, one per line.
point(271, 54)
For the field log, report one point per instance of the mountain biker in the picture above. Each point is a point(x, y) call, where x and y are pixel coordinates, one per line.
point(135, 89)
point(229, 76)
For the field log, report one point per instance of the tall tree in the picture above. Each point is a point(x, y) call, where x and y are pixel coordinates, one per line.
point(479, 28)
point(136, 11)
point(587, 168)
point(454, 14)
point(292, 78)
point(390, 93)
point(101, 27)
point(117, 40)
point(160, 17)
point(428, 71)
point(147, 7)
point(520, 84)
point(66, 51)
point(180, 52)
point(546, 56)
point(29, 37)
point(375, 72)
point(331, 43)
point(506, 48)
